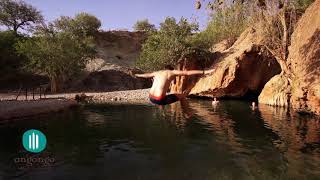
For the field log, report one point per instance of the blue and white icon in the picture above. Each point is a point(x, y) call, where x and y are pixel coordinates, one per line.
point(34, 141)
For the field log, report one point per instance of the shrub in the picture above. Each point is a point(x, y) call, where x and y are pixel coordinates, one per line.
point(10, 62)
point(61, 49)
point(168, 45)
point(225, 24)
point(144, 25)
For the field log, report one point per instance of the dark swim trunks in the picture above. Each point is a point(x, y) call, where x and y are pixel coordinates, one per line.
point(168, 99)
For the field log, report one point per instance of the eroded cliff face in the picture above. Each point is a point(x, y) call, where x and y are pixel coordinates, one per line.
point(276, 92)
point(117, 49)
point(113, 69)
point(241, 70)
point(302, 91)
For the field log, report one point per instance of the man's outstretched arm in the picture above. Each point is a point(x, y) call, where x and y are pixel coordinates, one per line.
point(145, 75)
point(192, 72)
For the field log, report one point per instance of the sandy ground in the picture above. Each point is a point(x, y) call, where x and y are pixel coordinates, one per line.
point(11, 108)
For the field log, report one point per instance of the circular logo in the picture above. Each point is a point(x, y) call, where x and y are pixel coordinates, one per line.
point(34, 141)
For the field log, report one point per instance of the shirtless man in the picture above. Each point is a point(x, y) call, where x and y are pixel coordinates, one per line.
point(161, 83)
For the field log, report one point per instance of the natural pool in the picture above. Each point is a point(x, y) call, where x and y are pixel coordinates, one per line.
point(188, 140)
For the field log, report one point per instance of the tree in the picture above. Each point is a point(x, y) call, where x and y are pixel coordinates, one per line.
point(61, 49)
point(18, 14)
point(144, 25)
point(168, 45)
point(10, 62)
point(216, 4)
point(225, 24)
point(83, 24)
point(276, 19)
point(278, 28)
point(60, 56)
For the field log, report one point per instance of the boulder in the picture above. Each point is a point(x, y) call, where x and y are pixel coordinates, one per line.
point(241, 70)
point(303, 90)
point(276, 91)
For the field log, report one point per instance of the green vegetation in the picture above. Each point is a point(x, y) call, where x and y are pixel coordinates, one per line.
point(10, 62)
point(278, 28)
point(144, 25)
point(303, 4)
point(225, 24)
point(18, 14)
point(175, 41)
point(83, 24)
point(228, 20)
point(61, 49)
point(15, 15)
point(168, 45)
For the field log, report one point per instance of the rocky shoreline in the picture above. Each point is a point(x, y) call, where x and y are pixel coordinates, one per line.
point(11, 108)
point(128, 96)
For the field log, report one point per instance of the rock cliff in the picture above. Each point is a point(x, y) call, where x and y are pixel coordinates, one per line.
point(241, 70)
point(117, 49)
point(302, 92)
point(113, 69)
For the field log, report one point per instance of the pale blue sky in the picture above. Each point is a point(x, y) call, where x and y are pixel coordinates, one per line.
point(122, 14)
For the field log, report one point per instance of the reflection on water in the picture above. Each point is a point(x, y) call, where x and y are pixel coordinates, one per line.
point(186, 140)
point(265, 134)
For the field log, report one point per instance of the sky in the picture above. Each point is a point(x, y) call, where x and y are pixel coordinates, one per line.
point(122, 14)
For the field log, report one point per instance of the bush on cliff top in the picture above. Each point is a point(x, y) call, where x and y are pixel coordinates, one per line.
point(168, 45)
point(144, 25)
point(225, 24)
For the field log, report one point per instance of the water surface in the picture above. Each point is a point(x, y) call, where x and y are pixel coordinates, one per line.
point(188, 140)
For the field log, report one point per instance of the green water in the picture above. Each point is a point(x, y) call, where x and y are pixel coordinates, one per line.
point(190, 140)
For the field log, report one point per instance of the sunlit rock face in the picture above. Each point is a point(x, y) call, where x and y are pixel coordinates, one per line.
point(240, 70)
point(303, 93)
point(276, 91)
point(117, 49)
point(113, 69)
point(304, 60)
